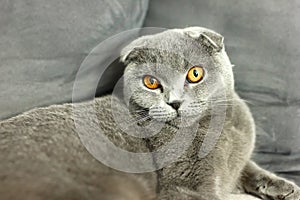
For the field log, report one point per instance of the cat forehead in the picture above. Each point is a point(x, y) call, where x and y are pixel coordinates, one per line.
point(171, 49)
point(180, 40)
point(166, 62)
point(171, 40)
point(178, 49)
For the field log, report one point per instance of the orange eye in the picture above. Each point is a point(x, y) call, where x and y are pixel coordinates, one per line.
point(151, 82)
point(195, 74)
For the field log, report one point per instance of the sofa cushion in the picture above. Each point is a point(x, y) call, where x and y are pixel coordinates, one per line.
point(43, 43)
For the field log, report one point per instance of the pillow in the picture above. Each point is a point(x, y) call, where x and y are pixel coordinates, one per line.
point(262, 40)
point(43, 43)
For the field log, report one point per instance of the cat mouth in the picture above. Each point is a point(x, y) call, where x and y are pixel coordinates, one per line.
point(178, 120)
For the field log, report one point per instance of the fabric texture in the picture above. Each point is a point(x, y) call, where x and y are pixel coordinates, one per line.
point(262, 39)
point(43, 43)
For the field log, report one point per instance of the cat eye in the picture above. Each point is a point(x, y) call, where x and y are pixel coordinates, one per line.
point(151, 82)
point(195, 74)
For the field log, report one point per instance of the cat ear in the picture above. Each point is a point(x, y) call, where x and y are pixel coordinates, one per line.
point(130, 55)
point(211, 39)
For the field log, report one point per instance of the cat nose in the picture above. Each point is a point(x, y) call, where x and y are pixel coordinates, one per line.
point(175, 104)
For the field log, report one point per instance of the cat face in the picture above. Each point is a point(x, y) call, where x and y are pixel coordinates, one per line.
point(172, 77)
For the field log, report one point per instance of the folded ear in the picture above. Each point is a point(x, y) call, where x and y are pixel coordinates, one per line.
point(129, 55)
point(214, 41)
point(139, 54)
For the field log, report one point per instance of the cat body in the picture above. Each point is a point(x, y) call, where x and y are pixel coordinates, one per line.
point(179, 80)
point(42, 157)
point(222, 167)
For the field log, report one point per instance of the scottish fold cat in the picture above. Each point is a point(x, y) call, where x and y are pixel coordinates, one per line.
point(177, 84)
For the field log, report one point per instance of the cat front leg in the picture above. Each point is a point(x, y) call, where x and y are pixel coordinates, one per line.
point(267, 185)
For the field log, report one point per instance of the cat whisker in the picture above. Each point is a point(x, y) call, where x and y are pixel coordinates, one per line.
point(198, 104)
point(221, 100)
point(141, 113)
point(195, 106)
point(141, 110)
point(139, 120)
point(246, 101)
point(133, 120)
point(161, 114)
point(223, 104)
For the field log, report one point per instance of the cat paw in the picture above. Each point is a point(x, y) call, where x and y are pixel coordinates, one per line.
point(279, 189)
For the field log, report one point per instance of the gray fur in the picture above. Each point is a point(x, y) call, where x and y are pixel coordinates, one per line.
point(42, 155)
point(43, 158)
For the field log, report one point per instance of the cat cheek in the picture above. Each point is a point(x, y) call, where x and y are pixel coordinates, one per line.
point(159, 113)
point(147, 99)
point(191, 111)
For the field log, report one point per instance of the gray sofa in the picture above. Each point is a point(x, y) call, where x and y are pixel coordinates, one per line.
point(43, 43)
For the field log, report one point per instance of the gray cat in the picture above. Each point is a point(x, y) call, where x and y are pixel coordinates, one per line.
point(176, 82)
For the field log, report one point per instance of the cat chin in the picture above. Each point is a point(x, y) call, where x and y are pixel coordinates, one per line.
point(184, 122)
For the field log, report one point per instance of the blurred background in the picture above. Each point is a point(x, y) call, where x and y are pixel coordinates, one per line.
point(43, 43)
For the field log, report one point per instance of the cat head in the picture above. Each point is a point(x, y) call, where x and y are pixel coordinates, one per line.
point(173, 75)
